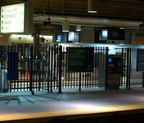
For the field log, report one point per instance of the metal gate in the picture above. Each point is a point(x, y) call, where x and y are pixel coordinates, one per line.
point(45, 68)
point(130, 77)
point(32, 68)
point(126, 67)
point(60, 78)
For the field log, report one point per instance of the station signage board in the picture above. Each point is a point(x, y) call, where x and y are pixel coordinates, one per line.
point(16, 18)
point(80, 59)
point(12, 18)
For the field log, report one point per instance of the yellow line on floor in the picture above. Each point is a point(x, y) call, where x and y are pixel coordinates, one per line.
point(85, 112)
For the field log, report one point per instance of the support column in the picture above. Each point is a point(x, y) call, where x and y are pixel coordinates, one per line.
point(36, 35)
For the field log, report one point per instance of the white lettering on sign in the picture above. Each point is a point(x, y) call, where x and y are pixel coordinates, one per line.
point(12, 18)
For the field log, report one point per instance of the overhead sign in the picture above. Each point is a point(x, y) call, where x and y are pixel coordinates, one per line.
point(80, 59)
point(12, 18)
point(17, 18)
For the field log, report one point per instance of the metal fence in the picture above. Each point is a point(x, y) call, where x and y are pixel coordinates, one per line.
point(46, 68)
point(32, 68)
point(61, 78)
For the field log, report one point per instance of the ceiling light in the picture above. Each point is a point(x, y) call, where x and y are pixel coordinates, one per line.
point(92, 6)
point(78, 28)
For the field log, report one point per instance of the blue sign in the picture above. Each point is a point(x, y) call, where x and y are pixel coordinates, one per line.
point(12, 65)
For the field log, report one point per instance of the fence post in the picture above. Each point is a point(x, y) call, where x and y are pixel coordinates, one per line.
point(31, 68)
point(48, 78)
point(51, 68)
point(106, 69)
point(60, 68)
point(128, 68)
point(79, 82)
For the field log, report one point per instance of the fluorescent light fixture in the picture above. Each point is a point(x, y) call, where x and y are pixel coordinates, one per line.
point(65, 26)
point(15, 35)
point(121, 44)
point(92, 6)
point(92, 11)
point(78, 28)
point(28, 38)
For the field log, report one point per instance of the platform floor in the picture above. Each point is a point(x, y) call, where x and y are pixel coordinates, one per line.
point(71, 106)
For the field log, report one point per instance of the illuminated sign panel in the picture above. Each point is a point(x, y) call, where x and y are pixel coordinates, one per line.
point(12, 18)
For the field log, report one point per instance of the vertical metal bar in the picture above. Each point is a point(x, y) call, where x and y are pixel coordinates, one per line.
point(84, 75)
point(125, 70)
point(80, 81)
point(48, 69)
point(39, 83)
point(91, 73)
point(12, 48)
point(60, 68)
point(71, 80)
point(129, 70)
point(14, 84)
point(96, 66)
point(86, 79)
point(42, 83)
point(31, 69)
point(127, 79)
point(36, 70)
point(74, 79)
point(54, 68)
point(39, 68)
point(91, 80)
point(57, 67)
point(19, 77)
point(28, 61)
point(8, 48)
point(106, 68)
point(101, 66)
point(17, 81)
point(98, 53)
point(51, 67)
point(122, 68)
point(22, 65)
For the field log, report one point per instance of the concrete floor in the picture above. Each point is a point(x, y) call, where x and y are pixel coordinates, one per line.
point(69, 106)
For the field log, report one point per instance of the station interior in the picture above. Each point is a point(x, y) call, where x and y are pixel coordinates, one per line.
point(116, 24)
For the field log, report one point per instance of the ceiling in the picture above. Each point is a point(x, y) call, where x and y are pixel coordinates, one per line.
point(120, 13)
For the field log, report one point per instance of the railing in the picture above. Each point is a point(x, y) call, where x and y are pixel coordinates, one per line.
point(46, 68)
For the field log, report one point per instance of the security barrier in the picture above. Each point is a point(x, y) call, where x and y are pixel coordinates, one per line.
point(55, 68)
